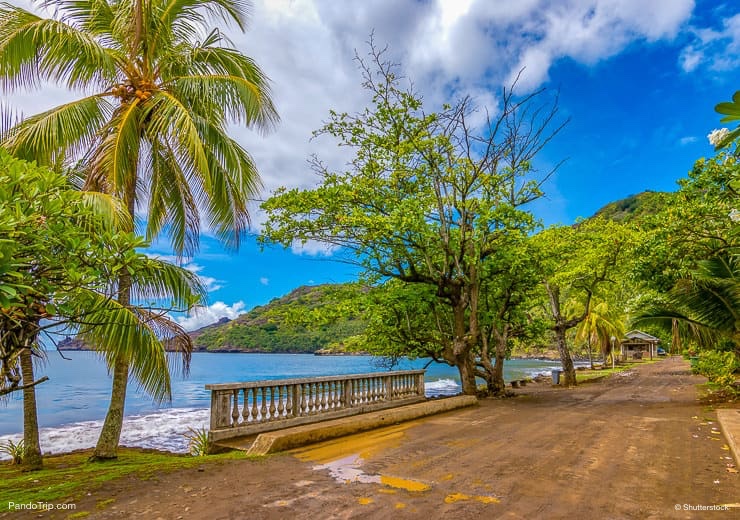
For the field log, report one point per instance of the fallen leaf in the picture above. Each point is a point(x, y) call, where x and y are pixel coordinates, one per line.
point(731, 470)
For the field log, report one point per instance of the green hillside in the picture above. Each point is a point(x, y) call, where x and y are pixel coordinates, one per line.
point(634, 207)
point(292, 323)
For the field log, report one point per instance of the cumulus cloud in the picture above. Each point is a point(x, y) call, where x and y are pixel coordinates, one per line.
point(449, 48)
point(203, 316)
point(264, 280)
point(716, 49)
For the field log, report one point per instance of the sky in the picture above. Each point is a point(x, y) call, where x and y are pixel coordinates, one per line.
point(638, 80)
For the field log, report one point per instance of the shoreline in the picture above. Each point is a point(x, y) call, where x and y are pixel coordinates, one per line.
point(442, 466)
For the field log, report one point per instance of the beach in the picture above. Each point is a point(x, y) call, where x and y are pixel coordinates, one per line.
point(636, 445)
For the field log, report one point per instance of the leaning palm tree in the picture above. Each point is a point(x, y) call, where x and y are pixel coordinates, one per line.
point(704, 307)
point(152, 130)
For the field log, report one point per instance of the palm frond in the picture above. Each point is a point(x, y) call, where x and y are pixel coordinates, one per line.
point(156, 279)
point(119, 333)
point(113, 212)
point(171, 203)
point(34, 48)
point(68, 127)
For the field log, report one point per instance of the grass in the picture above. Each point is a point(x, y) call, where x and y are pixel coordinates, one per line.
point(592, 375)
point(66, 478)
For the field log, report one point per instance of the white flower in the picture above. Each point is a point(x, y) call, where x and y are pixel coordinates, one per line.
point(717, 136)
point(735, 215)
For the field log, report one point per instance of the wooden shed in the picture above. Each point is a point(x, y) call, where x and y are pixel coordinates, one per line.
point(637, 344)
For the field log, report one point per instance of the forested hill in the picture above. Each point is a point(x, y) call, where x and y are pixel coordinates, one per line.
point(283, 325)
point(634, 207)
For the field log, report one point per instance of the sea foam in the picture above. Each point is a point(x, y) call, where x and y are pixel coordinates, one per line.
point(163, 430)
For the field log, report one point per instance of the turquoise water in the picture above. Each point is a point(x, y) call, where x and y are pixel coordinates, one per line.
point(72, 404)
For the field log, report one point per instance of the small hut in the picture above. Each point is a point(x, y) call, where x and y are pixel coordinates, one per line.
point(637, 344)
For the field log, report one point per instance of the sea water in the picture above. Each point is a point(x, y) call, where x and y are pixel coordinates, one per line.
point(72, 404)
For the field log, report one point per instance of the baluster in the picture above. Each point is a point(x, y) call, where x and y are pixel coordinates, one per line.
point(263, 409)
point(272, 403)
point(235, 409)
point(255, 414)
point(304, 404)
point(346, 399)
point(374, 382)
point(245, 410)
point(281, 407)
point(314, 398)
point(289, 400)
point(324, 390)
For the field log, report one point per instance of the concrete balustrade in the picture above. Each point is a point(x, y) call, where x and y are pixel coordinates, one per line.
point(239, 409)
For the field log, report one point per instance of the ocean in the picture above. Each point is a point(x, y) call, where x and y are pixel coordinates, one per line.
point(73, 403)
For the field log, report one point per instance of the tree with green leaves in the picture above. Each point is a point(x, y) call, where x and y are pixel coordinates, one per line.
point(153, 129)
point(603, 321)
point(59, 255)
point(428, 196)
point(575, 261)
point(701, 304)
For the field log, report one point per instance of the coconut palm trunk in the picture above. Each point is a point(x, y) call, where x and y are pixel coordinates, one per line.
point(32, 459)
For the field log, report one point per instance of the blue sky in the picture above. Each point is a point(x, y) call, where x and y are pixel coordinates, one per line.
point(639, 80)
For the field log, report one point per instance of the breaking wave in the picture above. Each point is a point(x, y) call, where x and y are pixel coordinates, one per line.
point(163, 430)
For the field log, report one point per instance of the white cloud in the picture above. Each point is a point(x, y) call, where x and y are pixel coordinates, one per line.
point(313, 248)
point(211, 284)
point(264, 280)
point(203, 316)
point(448, 47)
point(689, 139)
point(717, 50)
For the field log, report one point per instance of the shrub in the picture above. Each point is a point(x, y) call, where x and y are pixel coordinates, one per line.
point(718, 367)
point(16, 450)
point(197, 441)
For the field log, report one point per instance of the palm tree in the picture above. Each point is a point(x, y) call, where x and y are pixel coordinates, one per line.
point(704, 307)
point(601, 323)
point(58, 270)
point(153, 130)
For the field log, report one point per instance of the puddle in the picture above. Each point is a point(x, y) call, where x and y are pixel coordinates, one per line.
point(343, 459)
point(457, 497)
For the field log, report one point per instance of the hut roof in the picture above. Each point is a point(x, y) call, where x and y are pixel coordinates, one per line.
point(644, 336)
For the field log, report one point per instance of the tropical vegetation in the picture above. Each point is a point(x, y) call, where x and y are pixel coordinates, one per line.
point(161, 88)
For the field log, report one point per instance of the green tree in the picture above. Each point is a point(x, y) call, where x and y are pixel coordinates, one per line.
point(426, 199)
point(154, 129)
point(603, 321)
point(701, 239)
point(575, 262)
point(58, 255)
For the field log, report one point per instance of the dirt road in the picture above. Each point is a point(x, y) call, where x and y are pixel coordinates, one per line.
point(634, 446)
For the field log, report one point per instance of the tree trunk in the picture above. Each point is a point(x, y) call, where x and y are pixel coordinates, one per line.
point(110, 434)
point(32, 459)
point(569, 370)
point(107, 446)
point(590, 354)
point(467, 374)
point(498, 374)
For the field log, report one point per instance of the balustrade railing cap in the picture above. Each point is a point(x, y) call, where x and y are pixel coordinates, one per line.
point(305, 380)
